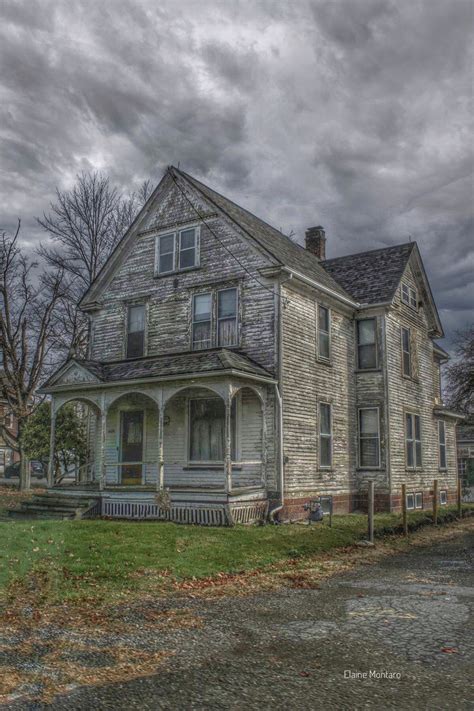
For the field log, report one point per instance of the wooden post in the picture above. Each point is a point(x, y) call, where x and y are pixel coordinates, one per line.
point(161, 463)
point(103, 432)
point(435, 502)
point(228, 445)
point(370, 505)
point(52, 442)
point(459, 497)
point(404, 509)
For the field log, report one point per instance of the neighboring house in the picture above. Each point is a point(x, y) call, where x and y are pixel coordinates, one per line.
point(465, 452)
point(241, 371)
point(8, 427)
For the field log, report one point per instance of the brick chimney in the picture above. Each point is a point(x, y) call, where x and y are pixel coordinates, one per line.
point(315, 239)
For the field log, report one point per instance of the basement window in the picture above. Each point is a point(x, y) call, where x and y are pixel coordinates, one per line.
point(414, 500)
point(443, 497)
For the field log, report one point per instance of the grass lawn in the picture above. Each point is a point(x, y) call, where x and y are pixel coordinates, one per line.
point(67, 560)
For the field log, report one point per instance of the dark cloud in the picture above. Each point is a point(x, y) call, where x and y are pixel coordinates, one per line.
point(356, 114)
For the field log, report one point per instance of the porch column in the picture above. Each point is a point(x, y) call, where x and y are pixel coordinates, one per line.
point(160, 481)
point(103, 431)
point(228, 444)
point(264, 441)
point(52, 443)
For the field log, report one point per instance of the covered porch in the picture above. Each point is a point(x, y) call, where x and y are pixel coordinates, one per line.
point(186, 443)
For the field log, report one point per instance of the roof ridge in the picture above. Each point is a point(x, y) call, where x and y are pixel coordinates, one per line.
point(369, 251)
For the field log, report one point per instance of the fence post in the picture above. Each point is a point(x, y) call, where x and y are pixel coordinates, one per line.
point(459, 497)
point(404, 509)
point(435, 502)
point(370, 510)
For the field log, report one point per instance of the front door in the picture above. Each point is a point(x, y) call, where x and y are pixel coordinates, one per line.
point(131, 447)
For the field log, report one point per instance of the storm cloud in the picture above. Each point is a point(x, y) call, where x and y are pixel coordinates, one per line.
point(354, 114)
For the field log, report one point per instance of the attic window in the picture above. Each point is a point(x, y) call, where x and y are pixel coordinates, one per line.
point(177, 251)
point(409, 296)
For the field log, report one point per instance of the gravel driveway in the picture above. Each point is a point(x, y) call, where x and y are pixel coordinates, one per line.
point(407, 620)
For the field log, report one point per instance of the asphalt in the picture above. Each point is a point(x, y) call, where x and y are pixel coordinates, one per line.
point(405, 623)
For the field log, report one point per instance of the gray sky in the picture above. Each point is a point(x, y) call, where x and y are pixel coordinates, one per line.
point(353, 114)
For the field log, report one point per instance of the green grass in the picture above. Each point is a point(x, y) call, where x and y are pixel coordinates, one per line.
point(105, 558)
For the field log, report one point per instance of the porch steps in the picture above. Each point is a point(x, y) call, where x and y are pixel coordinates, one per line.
point(49, 505)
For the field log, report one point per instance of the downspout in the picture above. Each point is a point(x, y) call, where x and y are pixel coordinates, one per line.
point(388, 457)
point(281, 463)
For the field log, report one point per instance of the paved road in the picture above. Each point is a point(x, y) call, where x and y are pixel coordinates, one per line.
point(291, 649)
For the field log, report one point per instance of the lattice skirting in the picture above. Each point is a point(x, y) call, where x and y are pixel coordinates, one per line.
point(198, 514)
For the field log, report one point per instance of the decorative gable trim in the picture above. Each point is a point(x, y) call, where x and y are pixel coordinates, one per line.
point(416, 263)
point(71, 373)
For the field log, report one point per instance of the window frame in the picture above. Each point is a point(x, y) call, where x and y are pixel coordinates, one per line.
point(323, 358)
point(444, 493)
point(379, 451)
point(330, 436)
point(176, 234)
point(214, 329)
point(409, 295)
point(413, 440)
point(420, 494)
point(211, 320)
point(127, 326)
point(409, 352)
point(375, 344)
point(442, 446)
point(236, 318)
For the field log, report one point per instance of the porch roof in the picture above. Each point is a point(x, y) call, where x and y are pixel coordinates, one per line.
point(217, 360)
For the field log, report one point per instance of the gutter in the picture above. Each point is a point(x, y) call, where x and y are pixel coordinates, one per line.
point(69, 387)
point(321, 287)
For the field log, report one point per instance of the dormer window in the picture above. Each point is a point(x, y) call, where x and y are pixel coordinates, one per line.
point(409, 296)
point(177, 251)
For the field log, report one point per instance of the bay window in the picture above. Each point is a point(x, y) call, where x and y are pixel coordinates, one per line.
point(413, 441)
point(369, 437)
point(366, 343)
point(135, 346)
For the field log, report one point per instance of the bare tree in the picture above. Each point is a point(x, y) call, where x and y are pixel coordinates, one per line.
point(460, 373)
point(85, 224)
point(28, 302)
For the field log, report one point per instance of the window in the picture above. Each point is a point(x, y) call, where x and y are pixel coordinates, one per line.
point(413, 440)
point(443, 497)
point(136, 331)
point(207, 429)
point(202, 319)
point(227, 317)
point(442, 444)
point(409, 296)
point(406, 352)
point(1, 357)
point(177, 251)
point(366, 343)
point(324, 328)
point(220, 305)
point(325, 435)
point(414, 500)
point(165, 253)
point(369, 437)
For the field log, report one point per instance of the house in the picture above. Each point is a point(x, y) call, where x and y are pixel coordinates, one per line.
point(465, 453)
point(232, 372)
point(8, 426)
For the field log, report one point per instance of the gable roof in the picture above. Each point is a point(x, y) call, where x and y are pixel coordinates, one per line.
point(165, 366)
point(278, 245)
point(371, 277)
point(281, 248)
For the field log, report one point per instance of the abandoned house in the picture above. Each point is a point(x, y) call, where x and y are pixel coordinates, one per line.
point(234, 374)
